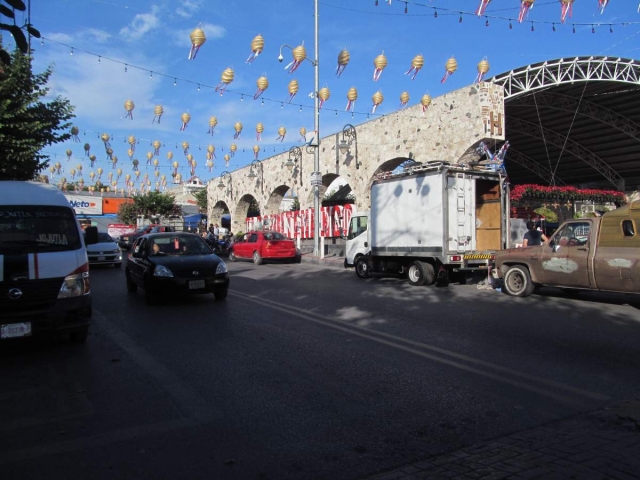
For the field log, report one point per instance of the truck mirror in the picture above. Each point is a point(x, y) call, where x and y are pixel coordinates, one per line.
point(91, 235)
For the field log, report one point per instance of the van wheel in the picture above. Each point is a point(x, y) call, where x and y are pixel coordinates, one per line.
point(362, 267)
point(257, 259)
point(80, 336)
point(421, 273)
point(517, 281)
point(131, 286)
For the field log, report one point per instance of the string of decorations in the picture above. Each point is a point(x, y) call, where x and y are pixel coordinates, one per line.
point(524, 9)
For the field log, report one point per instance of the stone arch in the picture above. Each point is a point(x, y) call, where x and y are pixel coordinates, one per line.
point(241, 211)
point(216, 212)
point(275, 199)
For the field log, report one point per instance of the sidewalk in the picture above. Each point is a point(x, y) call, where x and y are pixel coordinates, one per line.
point(330, 260)
point(600, 445)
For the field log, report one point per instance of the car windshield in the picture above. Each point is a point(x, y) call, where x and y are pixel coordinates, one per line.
point(36, 229)
point(179, 245)
point(104, 237)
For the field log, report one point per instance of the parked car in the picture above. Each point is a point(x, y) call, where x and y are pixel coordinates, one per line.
point(259, 246)
point(126, 241)
point(106, 251)
point(174, 264)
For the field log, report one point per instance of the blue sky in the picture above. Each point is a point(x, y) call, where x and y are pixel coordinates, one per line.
point(153, 36)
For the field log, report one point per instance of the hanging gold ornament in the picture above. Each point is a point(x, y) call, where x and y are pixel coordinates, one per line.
point(323, 94)
point(299, 54)
point(185, 120)
point(149, 157)
point(74, 134)
point(377, 98)
point(213, 121)
point(343, 60)
point(87, 149)
point(483, 68)
point(211, 152)
point(404, 99)
point(128, 107)
point(238, 128)
point(68, 153)
point(259, 130)
point(225, 79)
point(281, 133)
point(303, 134)
point(226, 159)
point(293, 89)
point(233, 149)
point(416, 64)
point(105, 138)
point(198, 38)
point(156, 147)
point(185, 147)
point(157, 113)
point(451, 66)
point(425, 101)
point(256, 151)
point(352, 96)
point(263, 84)
point(379, 63)
point(257, 46)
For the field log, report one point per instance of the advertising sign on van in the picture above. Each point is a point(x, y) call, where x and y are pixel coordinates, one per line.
point(84, 204)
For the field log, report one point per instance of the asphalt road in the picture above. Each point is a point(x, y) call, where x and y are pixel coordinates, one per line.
point(304, 372)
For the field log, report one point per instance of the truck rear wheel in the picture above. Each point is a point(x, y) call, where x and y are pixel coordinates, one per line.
point(517, 281)
point(362, 267)
point(421, 273)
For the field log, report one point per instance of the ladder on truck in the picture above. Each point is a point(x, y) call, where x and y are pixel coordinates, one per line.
point(461, 213)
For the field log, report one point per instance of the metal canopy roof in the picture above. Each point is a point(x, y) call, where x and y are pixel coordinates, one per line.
point(574, 122)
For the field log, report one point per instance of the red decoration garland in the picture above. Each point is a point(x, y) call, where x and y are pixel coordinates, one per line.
point(566, 193)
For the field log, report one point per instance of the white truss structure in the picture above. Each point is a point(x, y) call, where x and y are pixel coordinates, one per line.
point(557, 72)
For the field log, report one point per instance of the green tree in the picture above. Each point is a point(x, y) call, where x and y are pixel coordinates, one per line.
point(27, 124)
point(201, 200)
point(295, 206)
point(17, 31)
point(254, 209)
point(149, 205)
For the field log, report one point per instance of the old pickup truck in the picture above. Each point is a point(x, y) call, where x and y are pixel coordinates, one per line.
point(600, 253)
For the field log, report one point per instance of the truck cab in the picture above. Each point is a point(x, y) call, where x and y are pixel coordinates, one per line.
point(357, 238)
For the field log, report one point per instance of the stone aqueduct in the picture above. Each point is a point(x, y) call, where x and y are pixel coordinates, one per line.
point(450, 129)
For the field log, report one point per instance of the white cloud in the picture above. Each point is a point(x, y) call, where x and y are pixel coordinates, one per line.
point(181, 37)
point(60, 37)
point(189, 8)
point(97, 35)
point(141, 24)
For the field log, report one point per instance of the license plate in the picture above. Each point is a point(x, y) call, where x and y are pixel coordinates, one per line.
point(100, 259)
point(194, 284)
point(15, 330)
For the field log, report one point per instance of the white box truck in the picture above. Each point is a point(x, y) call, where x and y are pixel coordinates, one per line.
point(433, 221)
point(44, 270)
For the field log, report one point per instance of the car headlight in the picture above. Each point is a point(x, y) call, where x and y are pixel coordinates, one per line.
point(162, 271)
point(75, 285)
point(221, 268)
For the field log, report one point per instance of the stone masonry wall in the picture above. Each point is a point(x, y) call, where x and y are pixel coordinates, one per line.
point(449, 130)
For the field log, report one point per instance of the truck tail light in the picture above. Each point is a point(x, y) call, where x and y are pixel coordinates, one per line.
point(268, 245)
point(455, 258)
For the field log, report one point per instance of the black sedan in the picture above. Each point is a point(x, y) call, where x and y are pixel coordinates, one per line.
point(170, 265)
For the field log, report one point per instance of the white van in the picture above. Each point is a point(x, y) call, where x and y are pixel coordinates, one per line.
point(44, 270)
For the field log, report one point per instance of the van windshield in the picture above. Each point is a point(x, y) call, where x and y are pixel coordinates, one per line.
point(37, 229)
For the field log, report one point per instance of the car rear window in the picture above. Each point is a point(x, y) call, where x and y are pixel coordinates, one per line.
point(38, 229)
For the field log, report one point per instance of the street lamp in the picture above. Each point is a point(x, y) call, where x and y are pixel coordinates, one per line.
point(316, 142)
point(225, 176)
point(253, 175)
point(349, 138)
point(295, 158)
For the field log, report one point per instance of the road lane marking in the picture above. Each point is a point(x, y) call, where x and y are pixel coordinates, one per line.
point(407, 345)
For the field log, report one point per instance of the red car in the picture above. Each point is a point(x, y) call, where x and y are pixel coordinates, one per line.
point(259, 246)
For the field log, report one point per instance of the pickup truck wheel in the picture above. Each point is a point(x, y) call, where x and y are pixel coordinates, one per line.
point(362, 267)
point(517, 281)
point(421, 273)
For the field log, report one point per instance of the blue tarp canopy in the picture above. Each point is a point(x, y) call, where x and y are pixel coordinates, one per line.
point(192, 221)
